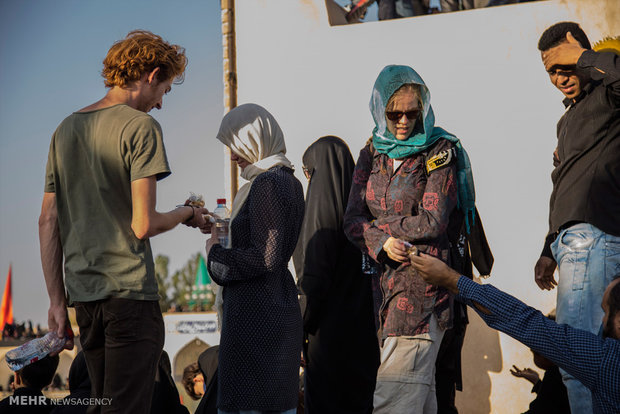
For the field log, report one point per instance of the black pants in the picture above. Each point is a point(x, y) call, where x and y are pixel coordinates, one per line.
point(122, 341)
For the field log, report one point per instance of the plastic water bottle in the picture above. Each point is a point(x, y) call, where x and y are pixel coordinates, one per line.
point(222, 221)
point(35, 350)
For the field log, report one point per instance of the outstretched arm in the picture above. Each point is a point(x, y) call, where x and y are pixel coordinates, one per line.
point(147, 222)
point(578, 352)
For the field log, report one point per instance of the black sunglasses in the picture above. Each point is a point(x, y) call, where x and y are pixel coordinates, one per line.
point(396, 115)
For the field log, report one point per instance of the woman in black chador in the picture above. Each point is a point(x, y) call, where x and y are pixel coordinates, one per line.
point(341, 351)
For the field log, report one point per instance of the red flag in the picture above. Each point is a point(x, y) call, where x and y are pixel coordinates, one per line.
point(6, 306)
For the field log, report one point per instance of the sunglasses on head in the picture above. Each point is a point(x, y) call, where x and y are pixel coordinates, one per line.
point(396, 115)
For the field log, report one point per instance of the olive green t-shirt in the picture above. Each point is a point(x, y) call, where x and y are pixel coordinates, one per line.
point(93, 158)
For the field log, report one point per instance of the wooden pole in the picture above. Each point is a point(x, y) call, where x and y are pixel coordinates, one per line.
point(230, 77)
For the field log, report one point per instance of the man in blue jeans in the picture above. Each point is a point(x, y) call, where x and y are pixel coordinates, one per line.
point(584, 216)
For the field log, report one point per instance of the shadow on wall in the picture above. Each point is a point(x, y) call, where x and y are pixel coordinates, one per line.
point(481, 354)
point(187, 355)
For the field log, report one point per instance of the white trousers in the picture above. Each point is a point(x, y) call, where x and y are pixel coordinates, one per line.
point(406, 376)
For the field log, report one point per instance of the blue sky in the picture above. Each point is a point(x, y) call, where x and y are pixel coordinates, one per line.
point(51, 55)
point(50, 64)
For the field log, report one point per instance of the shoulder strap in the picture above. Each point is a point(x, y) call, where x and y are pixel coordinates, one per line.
point(481, 254)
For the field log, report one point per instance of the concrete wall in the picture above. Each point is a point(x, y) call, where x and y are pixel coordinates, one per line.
point(488, 86)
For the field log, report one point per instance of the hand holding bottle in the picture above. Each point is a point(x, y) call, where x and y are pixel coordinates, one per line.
point(36, 349)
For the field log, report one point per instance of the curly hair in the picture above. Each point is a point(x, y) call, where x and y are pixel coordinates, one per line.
point(189, 373)
point(141, 52)
point(556, 34)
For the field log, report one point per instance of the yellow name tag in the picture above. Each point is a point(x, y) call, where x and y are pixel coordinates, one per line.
point(438, 161)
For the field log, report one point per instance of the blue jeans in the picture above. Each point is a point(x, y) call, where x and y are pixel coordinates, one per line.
point(588, 259)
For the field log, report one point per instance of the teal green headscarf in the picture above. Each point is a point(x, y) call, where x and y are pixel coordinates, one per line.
point(390, 79)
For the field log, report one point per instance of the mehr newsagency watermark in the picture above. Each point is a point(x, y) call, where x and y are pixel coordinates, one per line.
point(30, 400)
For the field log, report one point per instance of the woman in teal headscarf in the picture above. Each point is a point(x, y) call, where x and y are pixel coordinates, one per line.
point(412, 186)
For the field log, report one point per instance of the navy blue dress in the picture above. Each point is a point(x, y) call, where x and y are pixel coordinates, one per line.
point(261, 339)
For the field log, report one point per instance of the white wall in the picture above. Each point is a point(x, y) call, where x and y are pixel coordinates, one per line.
point(488, 86)
point(183, 327)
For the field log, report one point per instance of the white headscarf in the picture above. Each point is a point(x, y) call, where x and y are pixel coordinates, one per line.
point(253, 134)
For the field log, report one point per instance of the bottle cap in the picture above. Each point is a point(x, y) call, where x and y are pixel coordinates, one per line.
point(221, 201)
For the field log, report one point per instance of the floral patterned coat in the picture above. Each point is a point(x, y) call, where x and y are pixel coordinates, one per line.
point(410, 204)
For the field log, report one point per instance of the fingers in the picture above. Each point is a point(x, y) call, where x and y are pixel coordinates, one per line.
point(402, 258)
point(546, 58)
point(546, 281)
point(539, 278)
point(399, 246)
point(398, 251)
point(553, 57)
point(60, 332)
point(59, 324)
point(397, 257)
point(417, 261)
point(543, 273)
point(68, 345)
point(426, 260)
point(543, 283)
point(564, 54)
point(395, 250)
point(201, 219)
point(423, 263)
point(57, 320)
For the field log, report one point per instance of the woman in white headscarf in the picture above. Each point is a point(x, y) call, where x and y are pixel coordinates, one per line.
point(261, 338)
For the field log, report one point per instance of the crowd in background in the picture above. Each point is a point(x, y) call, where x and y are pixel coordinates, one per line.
point(22, 330)
point(395, 9)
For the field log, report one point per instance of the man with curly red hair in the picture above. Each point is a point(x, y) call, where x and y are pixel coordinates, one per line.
point(98, 214)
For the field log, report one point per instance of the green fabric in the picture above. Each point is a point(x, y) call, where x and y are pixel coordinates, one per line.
point(202, 274)
point(391, 78)
point(92, 160)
